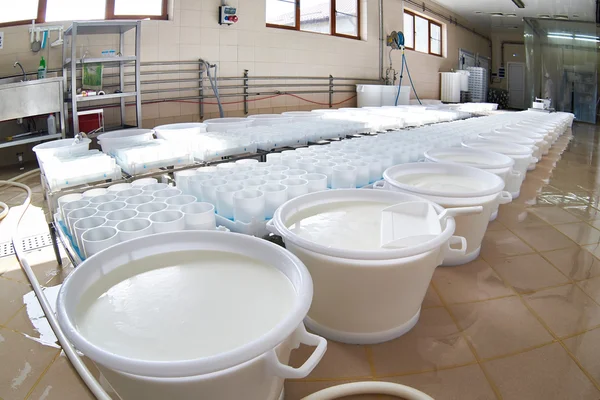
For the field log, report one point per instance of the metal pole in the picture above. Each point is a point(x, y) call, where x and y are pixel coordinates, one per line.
point(246, 92)
point(330, 91)
point(122, 77)
point(74, 78)
point(138, 85)
point(201, 91)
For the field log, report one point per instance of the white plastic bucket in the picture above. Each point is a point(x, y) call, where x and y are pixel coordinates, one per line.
point(496, 163)
point(363, 296)
point(522, 155)
point(254, 370)
point(536, 151)
point(540, 139)
point(452, 185)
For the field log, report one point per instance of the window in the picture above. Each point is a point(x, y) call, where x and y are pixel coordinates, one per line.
point(422, 34)
point(331, 17)
point(68, 10)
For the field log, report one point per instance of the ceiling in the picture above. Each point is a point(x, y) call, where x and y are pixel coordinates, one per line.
point(478, 12)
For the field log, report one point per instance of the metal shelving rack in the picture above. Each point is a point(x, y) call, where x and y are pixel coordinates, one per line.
point(102, 28)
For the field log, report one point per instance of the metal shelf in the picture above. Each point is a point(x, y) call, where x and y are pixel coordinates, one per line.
point(102, 60)
point(71, 64)
point(101, 27)
point(35, 139)
point(104, 96)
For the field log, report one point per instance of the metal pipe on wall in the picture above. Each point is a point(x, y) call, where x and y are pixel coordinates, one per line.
point(381, 40)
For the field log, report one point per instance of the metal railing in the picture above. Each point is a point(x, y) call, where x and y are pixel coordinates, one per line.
point(191, 85)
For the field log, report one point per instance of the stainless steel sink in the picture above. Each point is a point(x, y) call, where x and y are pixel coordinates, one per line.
point(26, 99)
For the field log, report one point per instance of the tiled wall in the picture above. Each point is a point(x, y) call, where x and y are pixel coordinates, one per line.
point(194, 32)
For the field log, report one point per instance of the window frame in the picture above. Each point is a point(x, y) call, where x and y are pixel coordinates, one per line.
point(332, 25)
point(429, 23)
point(109, 14)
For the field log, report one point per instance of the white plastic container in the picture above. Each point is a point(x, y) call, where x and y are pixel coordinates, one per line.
point(522, 155)
point(61, 148)
point(144, 182)
point(452, 185)
point(296, 187)
point(209, 190)
point(224, 195)
point(248, 205)
point(537, 153)
point(145, 210)
point(110, 141)
point(167, 221)
point(496, 163)
point(180, 132)
point(134, 228)
point(199, 216)
point(253, 371)
point(85, 224)
point(316, 182)
point(97, 239)
point(344, 177)
point(362, 296)
point(275, 195)
point(226, 124)
point(381, 95)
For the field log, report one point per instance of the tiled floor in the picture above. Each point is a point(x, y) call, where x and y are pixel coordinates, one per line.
point(521, 322)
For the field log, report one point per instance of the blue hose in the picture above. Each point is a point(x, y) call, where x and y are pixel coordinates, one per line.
point(400, 82)
point(411, 84)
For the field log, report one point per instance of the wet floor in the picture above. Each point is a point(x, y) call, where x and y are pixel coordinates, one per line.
point(520, 322)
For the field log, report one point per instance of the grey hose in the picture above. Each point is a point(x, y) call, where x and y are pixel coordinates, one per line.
point(213, 84)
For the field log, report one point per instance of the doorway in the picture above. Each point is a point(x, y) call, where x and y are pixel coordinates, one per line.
point(516, 85)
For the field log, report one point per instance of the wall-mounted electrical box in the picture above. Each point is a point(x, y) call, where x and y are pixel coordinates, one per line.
point(227, 15)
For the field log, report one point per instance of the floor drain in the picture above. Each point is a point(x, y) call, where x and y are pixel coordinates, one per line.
point(29, 243)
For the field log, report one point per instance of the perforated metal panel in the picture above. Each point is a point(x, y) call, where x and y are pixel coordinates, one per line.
point(29, 243)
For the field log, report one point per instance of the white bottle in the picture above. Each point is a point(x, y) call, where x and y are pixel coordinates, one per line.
point(51, 125)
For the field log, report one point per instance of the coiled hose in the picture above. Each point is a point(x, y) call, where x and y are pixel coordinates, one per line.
point(369, 387)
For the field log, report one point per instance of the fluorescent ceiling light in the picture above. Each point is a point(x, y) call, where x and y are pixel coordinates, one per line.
point(587, 37)
point(587, 40)
point(519, 3)
point(561, 37)
point(569, 35)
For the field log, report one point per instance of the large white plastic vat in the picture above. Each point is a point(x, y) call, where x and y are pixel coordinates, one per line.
point(363, 296)
point(182, 132)
point(255, 370)
point(522, 155)
point(226, 124)
point(61, 147)
point(524, 141)
point(110, 141)
point(496, 163)
point(381, 95)
point(452, 185)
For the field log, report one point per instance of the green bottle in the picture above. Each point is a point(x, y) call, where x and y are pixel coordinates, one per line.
point(42, 69)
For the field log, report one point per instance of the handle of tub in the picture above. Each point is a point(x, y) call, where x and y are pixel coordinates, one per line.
point(534, 160)
point(456, 240)
point(505, 197)
point(271, 227)
point(287, 372)
point(515, 174)
point(379, 185)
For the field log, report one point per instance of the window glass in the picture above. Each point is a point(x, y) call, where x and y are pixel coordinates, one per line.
point(315, 16)
point(346, 17)
point(409, 31)
point(436, 39)
point(25, 11)
point(421, 34)
point(138, 7)
point(68, 10)
point(281, 12)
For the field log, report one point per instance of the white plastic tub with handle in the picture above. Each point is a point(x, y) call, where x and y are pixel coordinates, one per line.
point(496, 163)
point(253, 370)
point(540, 139)
point(452, 185)
point(363, 296)
point(537, 153)
point(522, 155)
